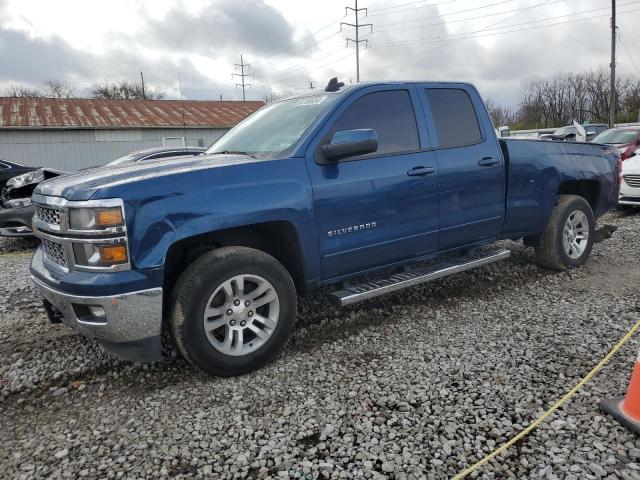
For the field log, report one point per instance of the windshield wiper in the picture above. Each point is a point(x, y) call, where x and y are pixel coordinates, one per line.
point(232, 152)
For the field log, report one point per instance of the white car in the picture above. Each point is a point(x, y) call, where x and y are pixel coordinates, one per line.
point(630, 186)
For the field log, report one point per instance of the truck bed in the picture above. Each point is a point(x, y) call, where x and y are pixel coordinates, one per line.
point(537, 169)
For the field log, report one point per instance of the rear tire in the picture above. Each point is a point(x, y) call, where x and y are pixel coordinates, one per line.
point(233, 310)
point(568, 237)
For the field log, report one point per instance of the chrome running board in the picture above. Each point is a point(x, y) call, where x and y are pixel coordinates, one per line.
point(437, 269)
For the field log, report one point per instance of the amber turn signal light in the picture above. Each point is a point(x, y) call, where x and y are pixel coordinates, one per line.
point(113, 253)
point(109, 217)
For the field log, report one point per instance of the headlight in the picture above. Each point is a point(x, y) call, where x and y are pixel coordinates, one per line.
point(99, 254)
point(25, 179)
point(95, 218)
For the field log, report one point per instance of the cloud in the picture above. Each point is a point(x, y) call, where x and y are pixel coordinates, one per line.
point(496, 62)
point(226, 26)
point(415, 44)
point(29, 59)
point(32, 61)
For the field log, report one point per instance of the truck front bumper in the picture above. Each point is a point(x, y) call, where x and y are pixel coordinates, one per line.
point(128, 325)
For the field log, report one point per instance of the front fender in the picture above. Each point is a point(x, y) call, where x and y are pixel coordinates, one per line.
point(164, 210)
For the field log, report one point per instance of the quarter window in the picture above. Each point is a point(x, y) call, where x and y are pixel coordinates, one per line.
point(454, 116)
point(390, 114)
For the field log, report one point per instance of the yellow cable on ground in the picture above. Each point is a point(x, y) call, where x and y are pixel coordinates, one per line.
point(536, 423)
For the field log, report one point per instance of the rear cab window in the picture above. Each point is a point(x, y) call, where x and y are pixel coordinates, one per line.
point(454, 116)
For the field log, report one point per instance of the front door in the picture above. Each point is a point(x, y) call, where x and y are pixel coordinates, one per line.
point(380, 208)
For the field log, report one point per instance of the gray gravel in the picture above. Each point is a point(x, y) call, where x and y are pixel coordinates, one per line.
point(418, 384)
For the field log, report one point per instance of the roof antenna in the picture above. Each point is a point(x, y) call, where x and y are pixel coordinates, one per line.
point(333, 85)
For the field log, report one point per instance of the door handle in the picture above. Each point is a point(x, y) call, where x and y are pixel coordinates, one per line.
point(420, 171)
point(487, 162)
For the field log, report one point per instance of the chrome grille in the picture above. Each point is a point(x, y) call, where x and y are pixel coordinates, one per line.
point(48, 215)
point(54, 252)
point(632, 180)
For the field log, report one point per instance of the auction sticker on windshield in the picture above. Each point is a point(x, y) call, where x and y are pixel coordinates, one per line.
point(310, 101)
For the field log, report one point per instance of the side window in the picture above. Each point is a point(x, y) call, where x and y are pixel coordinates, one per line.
point(390, 114)
point(454, 116)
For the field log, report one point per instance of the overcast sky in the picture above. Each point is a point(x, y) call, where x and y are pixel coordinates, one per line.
point(493, 43)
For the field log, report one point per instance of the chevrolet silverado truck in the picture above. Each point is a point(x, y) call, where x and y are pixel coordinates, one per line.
point(370, 188)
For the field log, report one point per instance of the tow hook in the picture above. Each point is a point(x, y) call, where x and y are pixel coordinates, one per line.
point(605, 232)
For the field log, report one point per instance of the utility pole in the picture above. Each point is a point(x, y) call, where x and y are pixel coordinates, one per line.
point(144, 97)
point(357, 26)
point(242, 75)
point(612, 99)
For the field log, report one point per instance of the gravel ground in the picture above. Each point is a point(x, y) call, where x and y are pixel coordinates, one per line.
point(418, 384)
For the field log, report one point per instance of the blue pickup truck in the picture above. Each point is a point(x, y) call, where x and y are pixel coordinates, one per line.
point(370, 188)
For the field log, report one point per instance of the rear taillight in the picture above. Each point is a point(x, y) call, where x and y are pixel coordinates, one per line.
point(627, 152)
point(619, 173)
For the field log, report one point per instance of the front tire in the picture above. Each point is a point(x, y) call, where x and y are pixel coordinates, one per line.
point(568, 237)
point(233, 310)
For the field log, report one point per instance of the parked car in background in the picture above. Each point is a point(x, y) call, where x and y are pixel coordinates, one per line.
point(630, 182)
point(572, 132)
point(350, 184)
point(9, 170)
point(625, 139)
point(594, 129)
point(16, 210)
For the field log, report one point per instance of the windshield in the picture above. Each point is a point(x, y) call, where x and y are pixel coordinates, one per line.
point(274, 130)
point(616, 136)
point(124, 159)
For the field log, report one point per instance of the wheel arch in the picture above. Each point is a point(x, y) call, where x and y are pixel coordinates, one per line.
point(279, 239)
point(587, 189)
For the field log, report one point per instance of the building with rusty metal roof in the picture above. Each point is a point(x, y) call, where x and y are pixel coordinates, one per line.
point(74, 133)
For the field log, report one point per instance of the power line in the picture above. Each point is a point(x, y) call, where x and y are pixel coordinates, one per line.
point(277, 59)
point(448, 14)
point(446, 22)
point(357, 26)
point(428, 39)
point(628, 53)
point(409, 3)
point(242, 75)
point(451, 42)
point(471, 35)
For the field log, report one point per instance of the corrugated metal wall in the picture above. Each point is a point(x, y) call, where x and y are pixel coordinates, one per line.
point(72, 150)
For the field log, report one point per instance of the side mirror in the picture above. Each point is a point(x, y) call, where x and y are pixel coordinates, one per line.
point(349, 143)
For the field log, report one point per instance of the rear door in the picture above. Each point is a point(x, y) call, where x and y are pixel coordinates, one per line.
point(376, 209)
point(471, 168)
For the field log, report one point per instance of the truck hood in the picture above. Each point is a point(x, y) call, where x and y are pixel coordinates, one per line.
point(83, 185)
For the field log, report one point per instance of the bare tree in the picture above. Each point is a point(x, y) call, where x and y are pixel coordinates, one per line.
point(58, 89)
point(23, 91)
point(500, 115)
point(126, 90)
point(585, 97)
